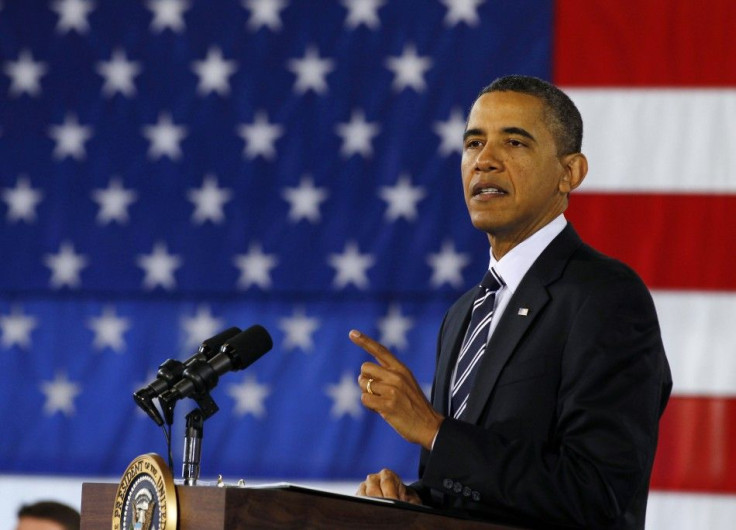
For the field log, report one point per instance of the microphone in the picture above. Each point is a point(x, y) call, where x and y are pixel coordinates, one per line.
point(236, 354)
point(171, 371)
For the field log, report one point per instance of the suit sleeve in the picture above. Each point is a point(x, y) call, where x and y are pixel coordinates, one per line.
point(613, 384)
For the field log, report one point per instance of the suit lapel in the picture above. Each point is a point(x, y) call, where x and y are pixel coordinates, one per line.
point(531, 295)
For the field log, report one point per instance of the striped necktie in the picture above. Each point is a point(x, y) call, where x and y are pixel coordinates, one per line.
point(474, 344)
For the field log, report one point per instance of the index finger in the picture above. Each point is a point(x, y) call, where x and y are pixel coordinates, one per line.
point(383, 356)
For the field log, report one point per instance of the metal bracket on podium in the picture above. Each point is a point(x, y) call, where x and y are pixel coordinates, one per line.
point(192, 447)
point(193, 433)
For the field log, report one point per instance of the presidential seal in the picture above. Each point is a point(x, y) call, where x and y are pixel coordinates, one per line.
point(146, 496)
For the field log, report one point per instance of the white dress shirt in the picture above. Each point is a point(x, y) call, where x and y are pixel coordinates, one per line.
point(514, 265)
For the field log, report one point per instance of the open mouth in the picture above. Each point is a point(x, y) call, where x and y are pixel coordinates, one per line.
point(480, 190)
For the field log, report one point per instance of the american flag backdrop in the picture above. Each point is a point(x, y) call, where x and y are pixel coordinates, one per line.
point(171, 168)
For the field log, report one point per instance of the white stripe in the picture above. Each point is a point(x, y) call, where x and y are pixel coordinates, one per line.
point(665, 140)
point(683, 511)
point(461, 408)
point(481, 300)
point(482, 325)
point(469, 369)
point(699, 334)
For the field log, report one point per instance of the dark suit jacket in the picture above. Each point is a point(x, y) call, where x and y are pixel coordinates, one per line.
point(562, 423)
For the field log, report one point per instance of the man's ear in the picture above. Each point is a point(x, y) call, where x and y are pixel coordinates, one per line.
point(576, 167)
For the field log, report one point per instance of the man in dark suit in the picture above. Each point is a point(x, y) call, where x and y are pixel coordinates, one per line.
point(561, 421)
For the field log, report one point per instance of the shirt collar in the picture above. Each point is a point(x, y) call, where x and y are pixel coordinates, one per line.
point(514, 265)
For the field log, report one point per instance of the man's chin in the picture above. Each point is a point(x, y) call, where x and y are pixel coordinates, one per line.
point(484, 224)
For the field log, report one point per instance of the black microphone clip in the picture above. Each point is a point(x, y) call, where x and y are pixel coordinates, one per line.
point(201, 376)
point(171, 371)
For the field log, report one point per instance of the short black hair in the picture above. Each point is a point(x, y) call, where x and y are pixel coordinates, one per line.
point(563, 117)
point(54, 511)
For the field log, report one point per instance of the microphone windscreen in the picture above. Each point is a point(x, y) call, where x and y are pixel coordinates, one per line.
point(248, 346)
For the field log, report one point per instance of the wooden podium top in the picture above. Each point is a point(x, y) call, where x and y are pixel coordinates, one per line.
point(234, 508)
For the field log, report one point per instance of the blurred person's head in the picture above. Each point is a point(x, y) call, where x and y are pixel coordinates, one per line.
point(47, 515)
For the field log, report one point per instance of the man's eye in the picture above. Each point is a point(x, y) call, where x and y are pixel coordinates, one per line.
point(473, 144)
point(515, 143)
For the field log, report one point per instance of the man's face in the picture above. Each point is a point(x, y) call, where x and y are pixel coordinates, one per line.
point(513, 180)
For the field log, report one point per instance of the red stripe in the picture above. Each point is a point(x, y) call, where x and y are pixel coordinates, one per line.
point(644, 43)
point(697, 446)
point(674, 241)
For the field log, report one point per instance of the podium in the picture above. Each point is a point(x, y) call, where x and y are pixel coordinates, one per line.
point(235, 508)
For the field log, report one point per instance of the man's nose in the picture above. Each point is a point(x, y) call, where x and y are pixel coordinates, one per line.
point(487, 159)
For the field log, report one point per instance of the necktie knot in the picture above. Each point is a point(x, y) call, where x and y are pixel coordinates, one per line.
point(491, 281)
